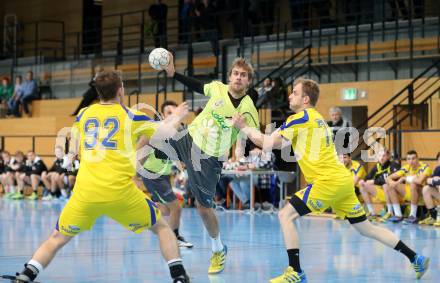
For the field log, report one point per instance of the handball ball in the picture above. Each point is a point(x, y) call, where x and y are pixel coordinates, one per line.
point(159, 58)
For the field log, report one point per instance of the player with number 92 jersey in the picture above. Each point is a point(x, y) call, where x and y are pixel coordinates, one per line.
point(107, 149)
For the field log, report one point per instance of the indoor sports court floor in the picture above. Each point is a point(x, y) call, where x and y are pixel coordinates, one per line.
point(331, 250)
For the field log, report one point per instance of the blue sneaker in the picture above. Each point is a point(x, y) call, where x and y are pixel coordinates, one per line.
point(420, 265)
point(396, 219)
point(410, 220)
point(290, 276)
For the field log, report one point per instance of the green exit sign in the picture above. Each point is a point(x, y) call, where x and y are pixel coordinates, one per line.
point(349, 94)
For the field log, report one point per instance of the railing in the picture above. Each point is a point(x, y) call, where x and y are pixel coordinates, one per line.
point(399, 140)
point(418, 92)
point(126, 38)
point(129, 30)
point(296, 66)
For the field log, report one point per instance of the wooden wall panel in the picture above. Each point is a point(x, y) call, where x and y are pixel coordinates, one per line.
point(378, 93)
point(427, 144)
point(15, 144)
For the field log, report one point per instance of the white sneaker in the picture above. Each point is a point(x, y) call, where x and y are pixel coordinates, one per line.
point(267, 206)
point(183, 243)
point(47, 198)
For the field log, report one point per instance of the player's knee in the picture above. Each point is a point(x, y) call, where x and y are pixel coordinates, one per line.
point(203, 210)
point(58, 239)
point(426, 190)
point(160, 225)
point(414, 188)
point(365, 228)
point(285, 215)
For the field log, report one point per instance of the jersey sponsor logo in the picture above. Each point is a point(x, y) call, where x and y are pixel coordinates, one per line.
point(221, 121)
point(317, 205)
point(219, 103)
point(71, 229)
point(136, 226)
point(356, 210)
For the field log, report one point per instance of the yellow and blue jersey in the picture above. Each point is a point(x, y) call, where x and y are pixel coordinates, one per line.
point(312, 142)
point(422, 169)
point(357, 169)
point(107, 136)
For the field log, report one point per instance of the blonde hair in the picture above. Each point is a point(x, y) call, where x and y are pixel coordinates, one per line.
point(310, 88)
point(244, 64)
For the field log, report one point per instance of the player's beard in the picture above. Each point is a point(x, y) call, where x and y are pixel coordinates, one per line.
point(239, 89)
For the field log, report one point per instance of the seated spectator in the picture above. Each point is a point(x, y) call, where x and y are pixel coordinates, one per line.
point(30, 92)
point(274, 98)
point(376, 187)
point(6, 177)
point(31, 175)
point(431, 192)
point(2, 172)
point(338, 122)
point(241, 184)
point(220, 192)
point(414, 175)
point(265, 182)
point(14, 101)
point(50, 178)
point(66, 180)
point(6, 92)
point(17, 166)
point(356, 169)
point(181, 183)
point(267, 86)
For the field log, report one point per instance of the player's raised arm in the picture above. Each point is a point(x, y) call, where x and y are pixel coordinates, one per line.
point(168, 127)
point(191, 83)
point(266, 142)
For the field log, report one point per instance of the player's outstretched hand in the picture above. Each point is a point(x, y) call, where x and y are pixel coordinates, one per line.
point(238, 121)
point(170, 68)
point(181, 111)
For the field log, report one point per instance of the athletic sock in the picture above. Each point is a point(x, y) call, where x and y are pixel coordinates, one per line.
point(32, 269)
point(176, 232)
point(390, 208)
point(293, 255)
point(401, 247)
point(413, 210)
point(217, 245)
point(370, 208)
point(176, 268)
point(397, 210)
point(433, 213)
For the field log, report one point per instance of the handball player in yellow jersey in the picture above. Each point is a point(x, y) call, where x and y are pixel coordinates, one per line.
point(106, 134)
point(330, 184)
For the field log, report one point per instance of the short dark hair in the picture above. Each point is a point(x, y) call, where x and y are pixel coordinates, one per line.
point(310, 88)
point(412, 152)
point(107, 84)
point(167, 103)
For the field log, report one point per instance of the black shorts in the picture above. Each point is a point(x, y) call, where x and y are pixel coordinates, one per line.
point(203, 171)
point(160, 189)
